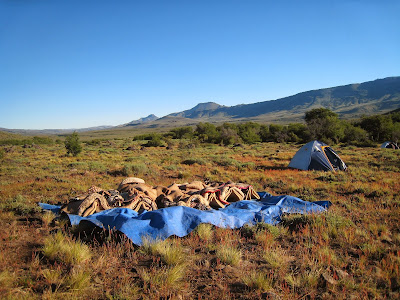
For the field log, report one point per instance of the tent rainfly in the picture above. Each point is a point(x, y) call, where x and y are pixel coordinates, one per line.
point(390, 145)
point(316, 155)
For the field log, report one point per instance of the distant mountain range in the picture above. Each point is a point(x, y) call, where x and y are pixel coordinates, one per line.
point(54, 131)
point(349, 101)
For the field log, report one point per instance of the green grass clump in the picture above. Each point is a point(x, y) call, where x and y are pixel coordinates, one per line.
point(47, 218)
point(229, 254)
point(78, 279)
point(277, 258)
point(167, 278)
point(169, 252)
point(204, 232)
point(258, 280)
point(58, 247)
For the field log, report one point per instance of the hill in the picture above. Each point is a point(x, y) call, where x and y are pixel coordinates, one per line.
point(147, 119)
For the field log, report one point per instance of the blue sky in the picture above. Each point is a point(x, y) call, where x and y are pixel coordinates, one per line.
point(74, 64)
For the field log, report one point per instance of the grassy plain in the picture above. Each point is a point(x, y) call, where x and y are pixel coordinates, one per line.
point(352, 251)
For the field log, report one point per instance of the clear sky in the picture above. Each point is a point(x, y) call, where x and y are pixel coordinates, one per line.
point(74, 64)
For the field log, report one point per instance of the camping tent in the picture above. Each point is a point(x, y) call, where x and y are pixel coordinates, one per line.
point(390, 145)
point(316, 155)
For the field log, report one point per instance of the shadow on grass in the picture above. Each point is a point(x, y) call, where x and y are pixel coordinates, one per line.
point(295, 221)
point(269, 168)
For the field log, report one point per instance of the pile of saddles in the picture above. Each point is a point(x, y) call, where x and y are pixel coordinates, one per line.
point(135, 194)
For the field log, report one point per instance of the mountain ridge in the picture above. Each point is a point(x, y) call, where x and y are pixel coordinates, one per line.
point(349, 101)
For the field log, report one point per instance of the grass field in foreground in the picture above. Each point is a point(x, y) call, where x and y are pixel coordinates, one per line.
point(352, 251)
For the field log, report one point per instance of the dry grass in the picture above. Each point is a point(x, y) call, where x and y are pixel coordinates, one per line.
point(59, 248)
point(352, 251)
point(204, 232)
point(229, 254)
point(258, 280)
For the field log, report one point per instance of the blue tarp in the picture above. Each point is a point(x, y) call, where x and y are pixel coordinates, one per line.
point(181, 220)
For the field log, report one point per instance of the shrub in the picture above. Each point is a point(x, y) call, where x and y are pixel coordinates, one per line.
point(94, 142)
point(72, 144)
point(182, 132)
point(207, 132)
point(229, 134)
point(143, 137)
point(324, 125)
point(249, 132)
point(192, 161)
point(379, 127)
point(155, 141)
point(354, 135)
point(277, 133)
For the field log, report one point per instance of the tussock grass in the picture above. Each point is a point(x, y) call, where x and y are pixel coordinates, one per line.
point(327, 256)
point(258, 280)
point(78, 279)
point(277, 258)
point(7, 279)
point(129, 290)
point(309, 278)
point(54, 277)
point(167, 277)
point(229, 254)
point(204, 232)
point(293, 280)
point(47, 218)
point(60, 248)
point(171, 253)
point(265, 239)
